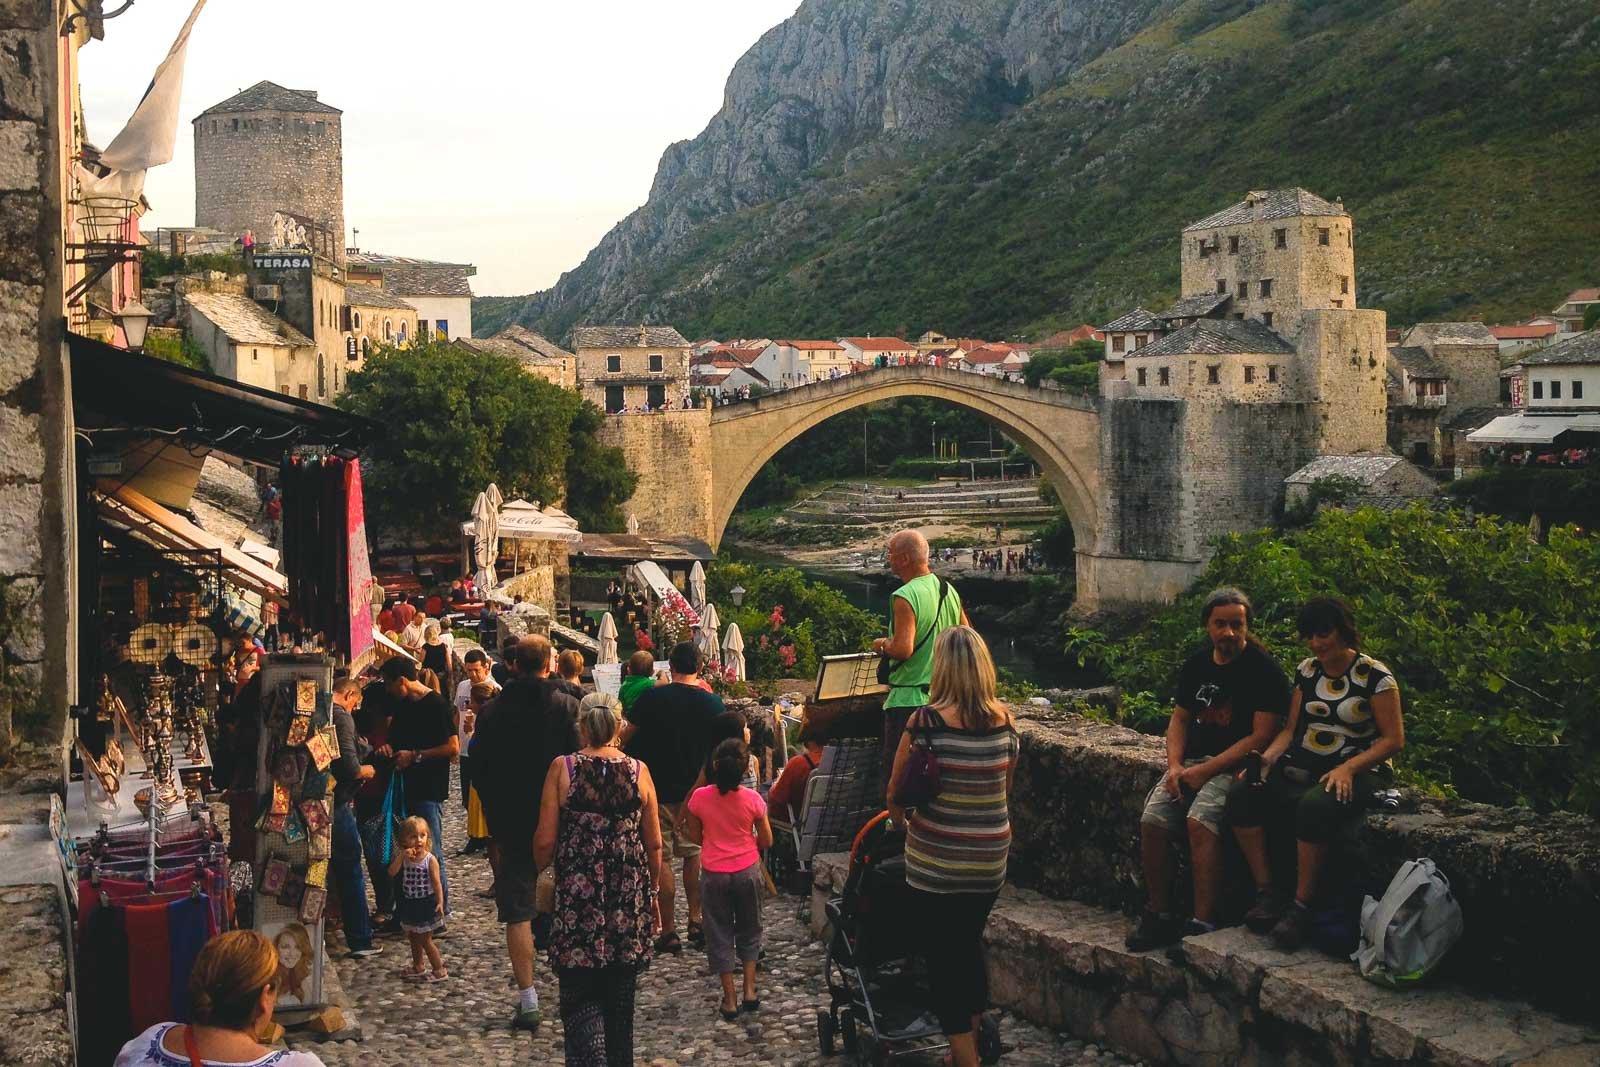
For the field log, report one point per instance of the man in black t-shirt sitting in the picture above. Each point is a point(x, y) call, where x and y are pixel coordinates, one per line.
point(423, 736)
point(1232, 697)
point(669, 730)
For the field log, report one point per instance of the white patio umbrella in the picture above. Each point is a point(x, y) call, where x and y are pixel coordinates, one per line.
point(608, 640)
point(733, 651)
point(705, 636)
point(633, 524)
point(697, 586)
point(486, 537)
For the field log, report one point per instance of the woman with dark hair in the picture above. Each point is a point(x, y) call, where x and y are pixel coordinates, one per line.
point(1324, 767)
point(729, 822)
point(233, 987)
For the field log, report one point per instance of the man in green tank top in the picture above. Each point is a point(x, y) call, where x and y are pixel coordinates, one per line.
point(919, 617)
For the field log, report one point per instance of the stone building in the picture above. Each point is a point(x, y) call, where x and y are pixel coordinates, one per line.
point(377, 318)
point(538, 355)
point(306, 289)
point(249, 344)
point(269, 150)
point(1382, 481)
point(1419, 389)
point(1469, 355)
point(1263, 364)
point(440, 292)
point(621, 368)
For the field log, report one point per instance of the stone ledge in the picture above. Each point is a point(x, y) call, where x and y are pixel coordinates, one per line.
point(1230, 998)
point(1528, 883)
point(34, 1015)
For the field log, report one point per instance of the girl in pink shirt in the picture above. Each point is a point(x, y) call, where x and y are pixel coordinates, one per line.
point(730, 824)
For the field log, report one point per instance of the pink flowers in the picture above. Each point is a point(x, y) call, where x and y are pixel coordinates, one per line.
point(786, 655)
point(642, 641)
point(775, 620)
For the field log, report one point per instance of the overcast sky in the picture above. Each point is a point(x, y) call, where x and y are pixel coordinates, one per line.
point(511, 135)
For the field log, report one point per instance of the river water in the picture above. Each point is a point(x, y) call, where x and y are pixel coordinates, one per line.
point(1015, 654)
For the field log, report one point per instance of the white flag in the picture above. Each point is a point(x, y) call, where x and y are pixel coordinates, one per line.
point(152, 131)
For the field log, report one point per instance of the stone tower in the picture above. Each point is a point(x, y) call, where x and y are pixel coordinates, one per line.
point(266, 150)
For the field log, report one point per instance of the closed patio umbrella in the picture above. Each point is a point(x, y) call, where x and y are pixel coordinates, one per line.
point(697, 585)
point(705, 636)
point(486, 537)
point(608, 639)
point(633, 524)
point(733, 651)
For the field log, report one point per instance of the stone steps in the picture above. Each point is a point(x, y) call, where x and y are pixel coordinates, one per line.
point(1229, 998)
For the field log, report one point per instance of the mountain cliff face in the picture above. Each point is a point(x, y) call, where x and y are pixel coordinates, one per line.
point(997, 166)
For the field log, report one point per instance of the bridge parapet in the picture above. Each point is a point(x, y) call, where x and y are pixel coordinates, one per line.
point(877, 377)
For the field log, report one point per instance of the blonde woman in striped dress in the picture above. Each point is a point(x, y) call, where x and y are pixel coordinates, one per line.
point(956, 845)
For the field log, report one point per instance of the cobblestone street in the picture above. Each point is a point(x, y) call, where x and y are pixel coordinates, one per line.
point(467, 1018)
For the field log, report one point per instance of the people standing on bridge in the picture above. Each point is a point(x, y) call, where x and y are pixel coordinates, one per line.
point(528, 726)
point(1323, 769)
point(923, 606)
point(1232, 697)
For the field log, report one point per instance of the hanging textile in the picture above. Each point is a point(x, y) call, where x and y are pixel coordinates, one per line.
point(323, 523)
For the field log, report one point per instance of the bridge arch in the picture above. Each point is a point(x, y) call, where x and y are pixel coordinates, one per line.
point(1059, 431)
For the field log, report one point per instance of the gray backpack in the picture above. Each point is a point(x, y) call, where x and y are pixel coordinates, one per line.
point(1407, 933)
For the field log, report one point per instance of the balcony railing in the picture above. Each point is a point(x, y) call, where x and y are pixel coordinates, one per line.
point(1428, 401)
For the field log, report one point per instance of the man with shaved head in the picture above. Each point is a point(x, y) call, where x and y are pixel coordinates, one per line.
point(924, 606)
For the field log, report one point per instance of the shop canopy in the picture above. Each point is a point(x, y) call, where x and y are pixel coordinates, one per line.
point(1532, 429)
point(654, 579)
point(629, 548)
point(521, 521)
point(128, 507)
point(122, 396)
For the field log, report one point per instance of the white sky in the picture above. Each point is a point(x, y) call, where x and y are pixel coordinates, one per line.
point(511, 135)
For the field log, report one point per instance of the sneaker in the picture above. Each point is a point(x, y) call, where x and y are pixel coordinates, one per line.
point(363, 953)
point(1267, 910)
point(527, 1019)
point(1290, 933)
point(1153, 931)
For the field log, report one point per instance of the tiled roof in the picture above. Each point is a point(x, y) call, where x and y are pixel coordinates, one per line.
point(941, 353)
point(370, 296)
point(1573, 348)
point(1365, 468)
point(1137, 319)
point(270, 96)
point(501, 345)
point(427, 281)
point(714, 379)
point(1582, 296)
point(1524, 333)
point(246, 322)
point(1218, 337)
point(1418, 363)
point(627, 337)
point(1194, 307)
point(1275, 204)
point(535, 342)
point(378, 261)
point(988, 354)
point(812, 346)
point(1476, 418)
point(878, 344)
point(1449, 333)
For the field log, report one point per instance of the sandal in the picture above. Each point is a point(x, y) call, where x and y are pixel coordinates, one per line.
point(751, 1005)
point(437, 976)
point(408, 975)
point(728, 1016)
point(696, 936)
point(669, 942)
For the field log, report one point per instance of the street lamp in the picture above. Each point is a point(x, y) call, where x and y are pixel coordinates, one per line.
point(134, 319)
point(934, 442)
point(736, 594)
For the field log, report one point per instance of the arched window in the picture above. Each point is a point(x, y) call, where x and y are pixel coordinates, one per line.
point(388, 330)
point(402, 331)
point(355, 319)
point(366, 347)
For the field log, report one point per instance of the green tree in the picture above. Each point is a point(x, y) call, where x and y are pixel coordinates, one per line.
point(182, 350)
point(1591, 316)
point(458, 421)
point(598, 478)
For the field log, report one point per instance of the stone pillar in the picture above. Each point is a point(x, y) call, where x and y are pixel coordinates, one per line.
point(37, 519)
point(670, 451)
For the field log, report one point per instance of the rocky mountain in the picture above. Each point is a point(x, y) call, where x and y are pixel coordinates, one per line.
point(1003, 166)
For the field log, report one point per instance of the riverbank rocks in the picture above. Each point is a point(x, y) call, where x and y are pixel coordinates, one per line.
point(1528, 883)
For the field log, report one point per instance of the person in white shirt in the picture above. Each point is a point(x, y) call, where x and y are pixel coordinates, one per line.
point(476, 665)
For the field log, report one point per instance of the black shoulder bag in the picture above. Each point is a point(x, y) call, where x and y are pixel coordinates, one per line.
point(887, 666)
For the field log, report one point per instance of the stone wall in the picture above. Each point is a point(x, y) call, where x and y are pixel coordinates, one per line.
point(1303, 274)
point(36, 514)
point(1344, 366)
point(248, 165)
point(670, 451)
point(1529, 884)
point(1474, 375)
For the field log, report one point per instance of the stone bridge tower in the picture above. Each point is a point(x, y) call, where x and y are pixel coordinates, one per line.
point(265, 150)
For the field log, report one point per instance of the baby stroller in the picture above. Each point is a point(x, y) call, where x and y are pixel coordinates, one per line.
point(877, 988)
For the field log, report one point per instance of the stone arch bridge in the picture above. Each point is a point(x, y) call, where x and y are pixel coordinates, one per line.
point(695, 464)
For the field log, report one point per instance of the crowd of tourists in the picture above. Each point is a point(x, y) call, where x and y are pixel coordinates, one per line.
point(592, 807)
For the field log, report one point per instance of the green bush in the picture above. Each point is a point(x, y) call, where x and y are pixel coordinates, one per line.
point(1555, 494)
point(816, 620)
point(1495, 641)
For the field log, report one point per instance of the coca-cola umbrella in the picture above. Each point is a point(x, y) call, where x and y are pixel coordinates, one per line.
point(733, 652)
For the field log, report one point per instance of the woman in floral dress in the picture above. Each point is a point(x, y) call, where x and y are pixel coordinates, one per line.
point(598, 823)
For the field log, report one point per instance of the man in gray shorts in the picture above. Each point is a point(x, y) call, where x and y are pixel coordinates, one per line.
point(1232, 696)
